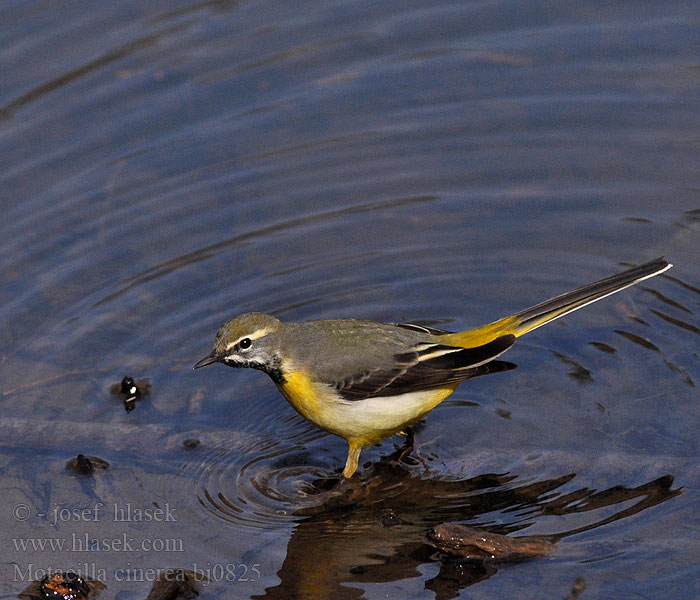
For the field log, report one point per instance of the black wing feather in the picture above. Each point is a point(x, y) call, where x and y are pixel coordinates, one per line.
point(414, 372)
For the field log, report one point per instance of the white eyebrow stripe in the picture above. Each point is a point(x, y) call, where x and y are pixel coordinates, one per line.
point(258, 333)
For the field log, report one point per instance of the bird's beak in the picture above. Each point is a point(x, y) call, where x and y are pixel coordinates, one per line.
point(207, 360)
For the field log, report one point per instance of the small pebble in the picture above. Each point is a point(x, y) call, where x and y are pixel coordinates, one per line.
point(84, 466)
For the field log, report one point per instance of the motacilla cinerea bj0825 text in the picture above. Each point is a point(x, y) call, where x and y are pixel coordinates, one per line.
point(366, 380)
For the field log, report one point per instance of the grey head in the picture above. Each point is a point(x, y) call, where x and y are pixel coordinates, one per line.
point(248, 340)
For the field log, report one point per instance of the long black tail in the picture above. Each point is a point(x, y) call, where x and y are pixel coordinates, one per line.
point(546, 311)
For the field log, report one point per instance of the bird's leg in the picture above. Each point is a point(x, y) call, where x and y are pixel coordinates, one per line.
point(354, 450)
point(410, 435)
point(408, 446)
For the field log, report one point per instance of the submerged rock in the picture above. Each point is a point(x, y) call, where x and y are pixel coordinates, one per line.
point(175, 583)
point(84, 466)
point(480, 545)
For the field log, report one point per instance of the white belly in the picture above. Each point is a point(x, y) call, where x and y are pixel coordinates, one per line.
point(374, 419)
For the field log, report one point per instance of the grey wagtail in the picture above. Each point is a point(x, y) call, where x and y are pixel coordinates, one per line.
point(365, 380)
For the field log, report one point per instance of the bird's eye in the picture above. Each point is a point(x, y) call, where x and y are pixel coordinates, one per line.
point(244, 344)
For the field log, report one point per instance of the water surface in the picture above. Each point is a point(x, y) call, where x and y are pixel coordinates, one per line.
point(166, 166)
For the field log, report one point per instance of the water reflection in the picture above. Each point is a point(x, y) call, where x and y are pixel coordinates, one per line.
point(372, 530)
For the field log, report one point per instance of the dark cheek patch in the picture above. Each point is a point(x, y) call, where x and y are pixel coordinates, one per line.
point(273, 368)
point(229, 362)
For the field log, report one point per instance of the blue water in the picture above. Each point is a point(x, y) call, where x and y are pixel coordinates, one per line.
point(166, 166)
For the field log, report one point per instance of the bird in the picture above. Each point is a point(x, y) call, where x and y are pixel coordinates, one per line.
point(366, 380)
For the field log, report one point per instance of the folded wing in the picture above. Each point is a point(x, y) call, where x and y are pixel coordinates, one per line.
point(426, 366)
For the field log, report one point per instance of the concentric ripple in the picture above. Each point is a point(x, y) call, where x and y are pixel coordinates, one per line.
point(263, 484)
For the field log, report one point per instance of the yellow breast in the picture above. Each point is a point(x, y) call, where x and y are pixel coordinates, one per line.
point(302, 393)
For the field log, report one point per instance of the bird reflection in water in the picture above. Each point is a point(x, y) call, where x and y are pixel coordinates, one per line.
point(373, 530)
